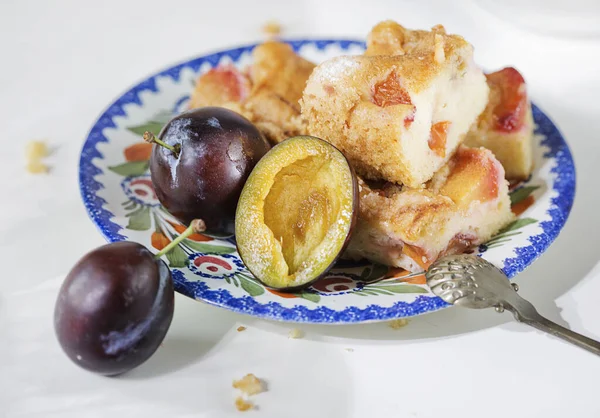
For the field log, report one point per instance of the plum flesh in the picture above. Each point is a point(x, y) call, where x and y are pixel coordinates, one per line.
point(296, 213)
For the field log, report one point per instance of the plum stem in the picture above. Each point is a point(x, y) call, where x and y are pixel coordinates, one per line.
point(151, 138)
point(197, 226)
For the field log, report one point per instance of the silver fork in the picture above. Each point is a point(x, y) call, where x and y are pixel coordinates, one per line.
point(472, 282)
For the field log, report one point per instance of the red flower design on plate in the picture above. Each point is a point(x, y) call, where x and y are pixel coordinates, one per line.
point(159, 240)
point(216, 266)
point(138, 152)
point(194, 237)
point(335, 283)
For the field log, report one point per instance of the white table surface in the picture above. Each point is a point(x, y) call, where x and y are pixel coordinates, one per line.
point(62, 62)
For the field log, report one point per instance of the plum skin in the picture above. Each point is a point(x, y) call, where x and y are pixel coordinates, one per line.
point(218, 150)
point(114, 308)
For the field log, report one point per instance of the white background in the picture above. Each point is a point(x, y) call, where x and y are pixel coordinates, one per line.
point(62, 62)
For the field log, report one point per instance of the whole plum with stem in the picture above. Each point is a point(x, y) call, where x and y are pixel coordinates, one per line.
point(200, 162)
point(116, 305)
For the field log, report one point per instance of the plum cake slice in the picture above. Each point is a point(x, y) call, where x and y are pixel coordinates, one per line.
point(464, 204)
point(397, 117)
point(506, 125)
point(267, 92)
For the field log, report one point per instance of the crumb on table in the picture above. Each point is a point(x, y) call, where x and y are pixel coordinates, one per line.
point(36, 167)
point(350, 350)
point(271, 28)
point(242, 404)
point(241, 328)
point(295, 333)
point(249, 384)
point(398, 323)
point(35, 150)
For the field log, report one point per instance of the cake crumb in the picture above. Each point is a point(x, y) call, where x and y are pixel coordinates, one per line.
point(249, 384)
point(398, 323)
point(35, 150)
point(272, 28)
point(350, 350)
point(241, 328)
point(439, 29)
point(36, 167)
point(242, 404)
point(295, 333)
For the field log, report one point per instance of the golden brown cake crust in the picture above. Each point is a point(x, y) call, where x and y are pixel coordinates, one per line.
point(409, 211)
point(419, 63)
point(219, 86)
point(277, 68)
point(267, 93)
point(397, 117)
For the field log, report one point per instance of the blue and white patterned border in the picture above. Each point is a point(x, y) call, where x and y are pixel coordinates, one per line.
point(564, 186)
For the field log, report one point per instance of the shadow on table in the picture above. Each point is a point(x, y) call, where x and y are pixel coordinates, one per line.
point(191, 337)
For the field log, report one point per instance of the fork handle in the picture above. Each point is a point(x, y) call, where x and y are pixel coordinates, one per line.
point(525, 312)
point(544, 324)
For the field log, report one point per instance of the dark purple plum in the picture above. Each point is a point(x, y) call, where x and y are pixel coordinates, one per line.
point(114, 308)
point(200, 163)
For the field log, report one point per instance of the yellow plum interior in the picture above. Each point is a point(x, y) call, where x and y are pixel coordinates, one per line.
point(296, 212)
point(301, 207)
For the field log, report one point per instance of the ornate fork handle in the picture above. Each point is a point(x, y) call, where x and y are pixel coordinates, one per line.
point(475, 283)
point(524, 312)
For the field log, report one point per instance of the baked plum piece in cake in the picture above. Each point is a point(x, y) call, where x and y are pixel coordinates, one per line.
point(465, 203)
point(266, 93)
point(399, 116)
point(506, 125)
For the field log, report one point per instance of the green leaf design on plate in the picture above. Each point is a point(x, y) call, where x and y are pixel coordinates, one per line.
point(130, 206)
point(521, 194)
point(177, 257)
point(398, 288)
point(139, 220)
point(501, 237)
point(373, 272)
point(505, 235)
point(163, 116)
point(156, 222)
point(253, 289)
point(207, 248)
point(313, 297)
point(377, 291)
point(364, 292)
point(217, 235)
point(519, 223)
point(132, 168)
point(152, 126)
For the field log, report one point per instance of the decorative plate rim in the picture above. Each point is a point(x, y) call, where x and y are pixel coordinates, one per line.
point(564, 185)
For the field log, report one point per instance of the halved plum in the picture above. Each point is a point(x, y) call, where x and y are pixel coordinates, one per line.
point(296, 213)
